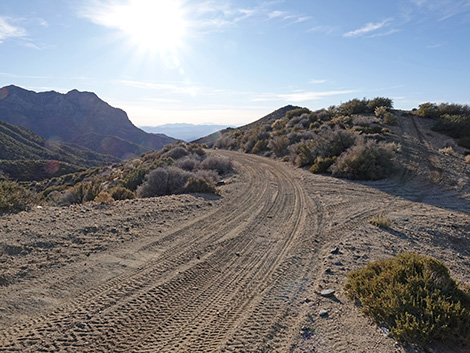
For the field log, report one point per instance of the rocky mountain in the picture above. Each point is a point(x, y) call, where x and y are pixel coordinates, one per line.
point(25, 155)
point(80, 117)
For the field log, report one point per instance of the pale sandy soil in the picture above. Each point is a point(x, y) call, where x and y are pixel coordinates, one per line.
point(236, 273)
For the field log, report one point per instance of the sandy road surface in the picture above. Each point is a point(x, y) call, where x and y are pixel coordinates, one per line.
point(240, 276)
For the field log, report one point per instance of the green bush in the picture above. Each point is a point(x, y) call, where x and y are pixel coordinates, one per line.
point(379, 102)
point(457, 126)
point(428, 110)
point(296, 112)
point(390, 119)
point(200, 185)
point(135, 178)
point(121, 193)
point(13, 197)
point(367, 160)
point(415, 297)
point(260, 146)
point(322, 164)
point(84, 192)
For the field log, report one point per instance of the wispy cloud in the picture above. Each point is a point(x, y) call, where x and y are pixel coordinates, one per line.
point(287, 16)
point(324, 29)
point(444, 9)
point(316, 82)
point(9, 30)
point(299, 96)
point(367, 29)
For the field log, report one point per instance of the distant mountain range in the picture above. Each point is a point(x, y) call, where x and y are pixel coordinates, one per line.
point(185, 132)
point(77, 117)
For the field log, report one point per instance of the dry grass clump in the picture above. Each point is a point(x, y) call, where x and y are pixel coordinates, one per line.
point(415, 297)
point(467, 158)
point(446, 150)
point(380, 221)
point(104, 197)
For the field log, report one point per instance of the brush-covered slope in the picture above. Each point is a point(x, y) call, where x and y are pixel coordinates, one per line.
point(25, 155)
point(74, 116)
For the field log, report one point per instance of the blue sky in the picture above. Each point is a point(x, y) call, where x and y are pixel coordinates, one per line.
point(231, 62)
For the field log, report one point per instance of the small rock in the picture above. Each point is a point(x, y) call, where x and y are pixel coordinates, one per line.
point(385, 331)
point(323, 313)
point(81, 325)
point(338, 263)
point(328, 270)
point(335, 251)
point(327, 292)
point(238, 254)
point(307, 300)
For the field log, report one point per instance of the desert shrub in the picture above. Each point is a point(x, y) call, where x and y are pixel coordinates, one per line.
point(13, 197)
point(367, 160)
point(188, 163)
point(379, 102)
point(415, 297)
point(380, 111)
point(453, 109)
point(380, 221)
point(221, 164)
point(464, 142)
point(199, 185)
point(135, 178)
point(390, 119)
point(121, 193)
point(322, 164)
point(176, 153)
point(279, 145)
point(428, 110)
point(83, 192)
point(446, 150)
point(354, 106)
point(304, 155)
point(467, 159)
point(296, 112)
point(332, 143)
point(164, 181)
point(104, 197)
point(195, 148)
point(260, 146)
point(278, 124)
point(210, 175)
point(364, 120)
point(457, 126)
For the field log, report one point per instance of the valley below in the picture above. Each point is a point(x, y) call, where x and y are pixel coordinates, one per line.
point(242, 272)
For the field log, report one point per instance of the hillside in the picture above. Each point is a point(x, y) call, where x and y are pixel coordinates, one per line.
point(75, 116)
point(25, 155)
point(359, 139)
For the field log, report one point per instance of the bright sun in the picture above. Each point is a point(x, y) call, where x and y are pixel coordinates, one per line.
point(156, 26)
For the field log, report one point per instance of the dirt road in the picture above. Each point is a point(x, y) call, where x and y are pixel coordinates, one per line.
point(239, 274)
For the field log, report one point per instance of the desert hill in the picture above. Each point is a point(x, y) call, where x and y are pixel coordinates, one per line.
point(80, 117)
point(25, 155)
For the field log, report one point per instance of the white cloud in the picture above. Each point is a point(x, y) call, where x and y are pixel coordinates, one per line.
point(366, 29)
point(444, 9)
point(323, 29)
point(316, 82)
point(310, 95)
point(9, 30)
point(298, 96)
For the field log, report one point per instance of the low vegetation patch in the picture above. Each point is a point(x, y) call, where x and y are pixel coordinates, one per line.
point(380, 221)
point(325, 141)
point(415, 298)
point(14, 197)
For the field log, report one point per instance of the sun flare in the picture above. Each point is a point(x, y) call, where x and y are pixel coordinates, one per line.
point(157, 26)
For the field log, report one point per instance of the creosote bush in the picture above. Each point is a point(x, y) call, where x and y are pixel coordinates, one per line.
point(415, 297)
point(13, 197)
point(199, 185)
point(367, 160)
